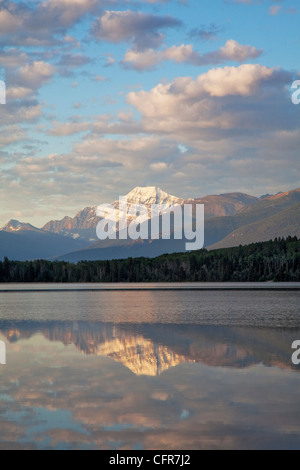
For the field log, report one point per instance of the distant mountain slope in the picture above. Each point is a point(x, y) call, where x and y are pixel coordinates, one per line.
point(272, 204)
point(83, 225)
point(219, 228)
point(120, 249)
point(283, 224)
point(14, 226)
point(225, 204)
point(25, 245)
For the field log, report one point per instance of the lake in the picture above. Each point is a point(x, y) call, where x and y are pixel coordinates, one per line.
point(167, 366)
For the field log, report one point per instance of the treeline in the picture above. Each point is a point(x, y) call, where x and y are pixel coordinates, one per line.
point(277, 260)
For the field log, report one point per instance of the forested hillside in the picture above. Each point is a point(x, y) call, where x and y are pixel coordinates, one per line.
point(277, 260)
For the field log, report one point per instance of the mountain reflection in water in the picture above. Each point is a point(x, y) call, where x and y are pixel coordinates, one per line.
point(97, 385)
point(151, 349)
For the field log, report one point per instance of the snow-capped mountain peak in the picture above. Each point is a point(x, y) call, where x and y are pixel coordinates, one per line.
point(84, 224)
point(152, 195)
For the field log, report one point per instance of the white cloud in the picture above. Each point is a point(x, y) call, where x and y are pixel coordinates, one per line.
point(18, 93)
point(159, 167)
point(13, 58)
point(243, 80)
point(35, 74)
point(69, 128)
point(141, 28)
point(142, 60)
point(237, 52)
point(187, 104)
point(11, 134)
point(150, 58)
point(8, 22)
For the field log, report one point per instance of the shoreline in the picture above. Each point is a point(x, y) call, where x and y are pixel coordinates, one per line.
point(139, 287)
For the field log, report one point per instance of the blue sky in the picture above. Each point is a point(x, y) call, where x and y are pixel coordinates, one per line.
point(102, 96)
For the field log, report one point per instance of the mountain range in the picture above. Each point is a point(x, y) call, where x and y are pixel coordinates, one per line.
point(230, 220)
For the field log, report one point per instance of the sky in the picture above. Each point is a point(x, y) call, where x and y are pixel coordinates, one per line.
point(193, 96)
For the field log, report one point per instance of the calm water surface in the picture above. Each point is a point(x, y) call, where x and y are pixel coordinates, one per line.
point(149, 369)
